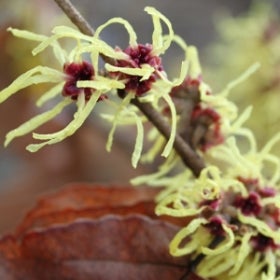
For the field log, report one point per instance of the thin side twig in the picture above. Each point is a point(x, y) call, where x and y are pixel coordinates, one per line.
point(187, 154)
point(75, 16)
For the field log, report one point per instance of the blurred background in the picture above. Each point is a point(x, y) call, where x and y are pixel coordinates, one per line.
point(82, 158)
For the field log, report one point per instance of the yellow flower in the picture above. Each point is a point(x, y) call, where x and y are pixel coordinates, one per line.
point(235, 206)
point(206, 123)
point(135, 72)
point(77, 80)
point(234, 203)
point(142, 72)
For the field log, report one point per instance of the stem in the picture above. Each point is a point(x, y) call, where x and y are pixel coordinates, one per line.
point(74, 15)
point(187, 154)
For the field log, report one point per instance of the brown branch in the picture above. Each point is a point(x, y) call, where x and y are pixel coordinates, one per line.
point(187, 154)
point(74, 15)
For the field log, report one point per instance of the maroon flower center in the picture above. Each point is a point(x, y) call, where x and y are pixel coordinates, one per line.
point(212, 204)
point(249, 205)
point(215, 226)
point(262, 243)
point(139, 55)
point(77, 72)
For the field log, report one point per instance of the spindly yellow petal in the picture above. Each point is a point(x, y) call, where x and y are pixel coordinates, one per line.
point(39, 74)
point(36, 121)
point(260, 226)
point(121, 107)
point(243, 252)
point(79, 117)
point(139, 141)
point(194, 68)
point(224, 246)
point(185, 232)
point(125, 23)
point(27, 34)
point(160, 45)
point(102, 84)
point(170, 142)
point(51, 93)
point(145, 71)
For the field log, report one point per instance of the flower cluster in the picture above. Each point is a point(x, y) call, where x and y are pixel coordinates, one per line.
point(77, 80)
point(202, 128)
point(237, 208)
point(233, 205)
point(134, 72)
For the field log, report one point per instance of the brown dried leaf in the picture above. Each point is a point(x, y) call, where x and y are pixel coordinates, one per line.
point(87, 201)
point(78, 196)
point(110, 247)
point(67, 216)
point(86, 232)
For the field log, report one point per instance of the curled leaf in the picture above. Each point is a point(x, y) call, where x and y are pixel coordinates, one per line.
point(85, 232)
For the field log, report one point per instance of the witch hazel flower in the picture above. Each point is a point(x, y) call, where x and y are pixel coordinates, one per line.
point(236, 206)
point(76, 81)
point(190, 66)
point(204, 120)
point(139, 56)
point(142, 65)
point(158, 141)
point(199, 123)
point(142, 72)
point(211, 118)
point(239, 215)
point(135, 72)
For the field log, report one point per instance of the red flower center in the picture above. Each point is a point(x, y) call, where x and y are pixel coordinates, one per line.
point(249, 205)
point(215, 226)
point(139, 55)
point(77, 72)
point(262, 243)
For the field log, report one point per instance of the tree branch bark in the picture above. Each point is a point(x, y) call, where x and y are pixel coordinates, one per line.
point(74, 15)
